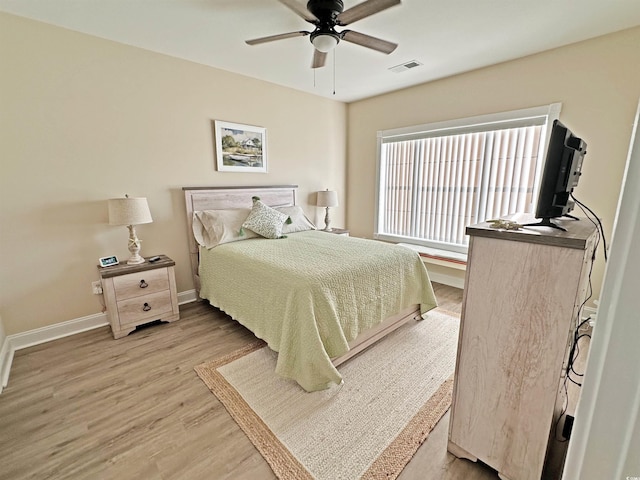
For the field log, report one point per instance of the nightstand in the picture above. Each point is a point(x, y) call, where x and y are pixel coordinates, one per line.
point(338, 231)
point(139, 294)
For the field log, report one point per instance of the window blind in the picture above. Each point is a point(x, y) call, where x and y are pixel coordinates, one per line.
point(432, 186)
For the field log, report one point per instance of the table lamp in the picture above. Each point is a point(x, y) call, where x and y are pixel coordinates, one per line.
point(327, 198)
point(130, 212)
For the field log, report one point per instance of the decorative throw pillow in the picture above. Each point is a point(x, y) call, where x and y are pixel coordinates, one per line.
point(265, 220)
point(299, 221)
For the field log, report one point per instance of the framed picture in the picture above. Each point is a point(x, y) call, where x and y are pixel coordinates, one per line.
point(240, 148)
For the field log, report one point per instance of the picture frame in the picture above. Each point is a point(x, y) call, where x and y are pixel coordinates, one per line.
point(240, 148)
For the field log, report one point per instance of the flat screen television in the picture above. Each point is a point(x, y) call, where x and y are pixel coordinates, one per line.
point(560, 175)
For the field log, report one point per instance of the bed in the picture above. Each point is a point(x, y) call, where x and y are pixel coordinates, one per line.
point(315, 298)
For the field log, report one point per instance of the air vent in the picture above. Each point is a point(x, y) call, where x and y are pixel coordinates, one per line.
point(403, 67)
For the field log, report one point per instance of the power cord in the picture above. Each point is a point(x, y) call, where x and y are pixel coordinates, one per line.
point(596, 222)
point(574, 351)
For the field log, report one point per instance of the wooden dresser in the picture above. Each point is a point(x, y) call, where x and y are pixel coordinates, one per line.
point(522, 298)
point(139, 294)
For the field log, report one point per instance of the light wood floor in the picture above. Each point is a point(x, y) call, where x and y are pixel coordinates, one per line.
point(90, 407)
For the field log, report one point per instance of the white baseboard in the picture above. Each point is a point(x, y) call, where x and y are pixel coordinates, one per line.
point(445, 279)
point(37, 336)
point(187, 297)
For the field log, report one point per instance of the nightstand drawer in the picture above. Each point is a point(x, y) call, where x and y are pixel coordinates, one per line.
point(141, 283)
point(148, 307)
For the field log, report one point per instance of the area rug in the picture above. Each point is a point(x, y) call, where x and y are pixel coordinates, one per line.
point(369, 427)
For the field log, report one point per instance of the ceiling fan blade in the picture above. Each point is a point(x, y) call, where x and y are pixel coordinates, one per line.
point(364, 9)
point(300, 10)
point(368, 41)
point(271, 38)
point(319, 58)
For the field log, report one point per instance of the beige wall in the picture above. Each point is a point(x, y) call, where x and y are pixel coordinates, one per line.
point(597, 81)
point(85, 119)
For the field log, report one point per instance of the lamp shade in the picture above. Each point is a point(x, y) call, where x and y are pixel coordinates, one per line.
point(129, 211)
point(327, 198)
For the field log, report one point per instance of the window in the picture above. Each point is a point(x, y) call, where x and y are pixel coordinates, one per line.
point(434, 180)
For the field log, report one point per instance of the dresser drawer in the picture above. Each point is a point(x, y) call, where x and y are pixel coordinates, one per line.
point(141, 283)
point(144, 308)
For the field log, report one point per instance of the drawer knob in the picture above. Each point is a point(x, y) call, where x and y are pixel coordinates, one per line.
point(143, 284)
point(146, 307)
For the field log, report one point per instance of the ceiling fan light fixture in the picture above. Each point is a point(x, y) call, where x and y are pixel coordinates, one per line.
point(324, 42)
point(325, 15)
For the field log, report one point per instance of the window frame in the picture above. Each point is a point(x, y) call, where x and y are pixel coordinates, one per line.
point(493, 121)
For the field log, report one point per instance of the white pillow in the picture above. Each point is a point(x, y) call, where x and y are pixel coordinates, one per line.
point(264, 220)
point(299, 221)
point(215, 227)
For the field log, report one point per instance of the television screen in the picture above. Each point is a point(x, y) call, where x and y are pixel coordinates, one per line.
point(560, 175)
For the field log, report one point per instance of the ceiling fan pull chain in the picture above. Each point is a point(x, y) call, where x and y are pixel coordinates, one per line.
point(334, 72)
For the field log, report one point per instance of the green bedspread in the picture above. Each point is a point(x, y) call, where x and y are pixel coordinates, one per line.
point(310, 294)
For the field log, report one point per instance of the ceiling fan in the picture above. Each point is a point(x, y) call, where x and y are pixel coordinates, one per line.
point(328, 14)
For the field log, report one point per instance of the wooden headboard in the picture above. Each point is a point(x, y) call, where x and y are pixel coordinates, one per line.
point(220, 198)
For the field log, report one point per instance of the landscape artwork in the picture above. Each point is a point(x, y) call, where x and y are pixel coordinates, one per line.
point(240, 148)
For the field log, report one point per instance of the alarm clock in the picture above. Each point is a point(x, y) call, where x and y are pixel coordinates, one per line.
point(108, 261)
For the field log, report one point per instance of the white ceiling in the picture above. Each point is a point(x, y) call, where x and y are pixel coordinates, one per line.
point(446, 36)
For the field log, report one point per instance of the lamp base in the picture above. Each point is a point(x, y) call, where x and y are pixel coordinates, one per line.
point(135, 260)
point(134, 247)
point(327, 221)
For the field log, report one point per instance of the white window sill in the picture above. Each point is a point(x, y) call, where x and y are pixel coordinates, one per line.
point(436, 256)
